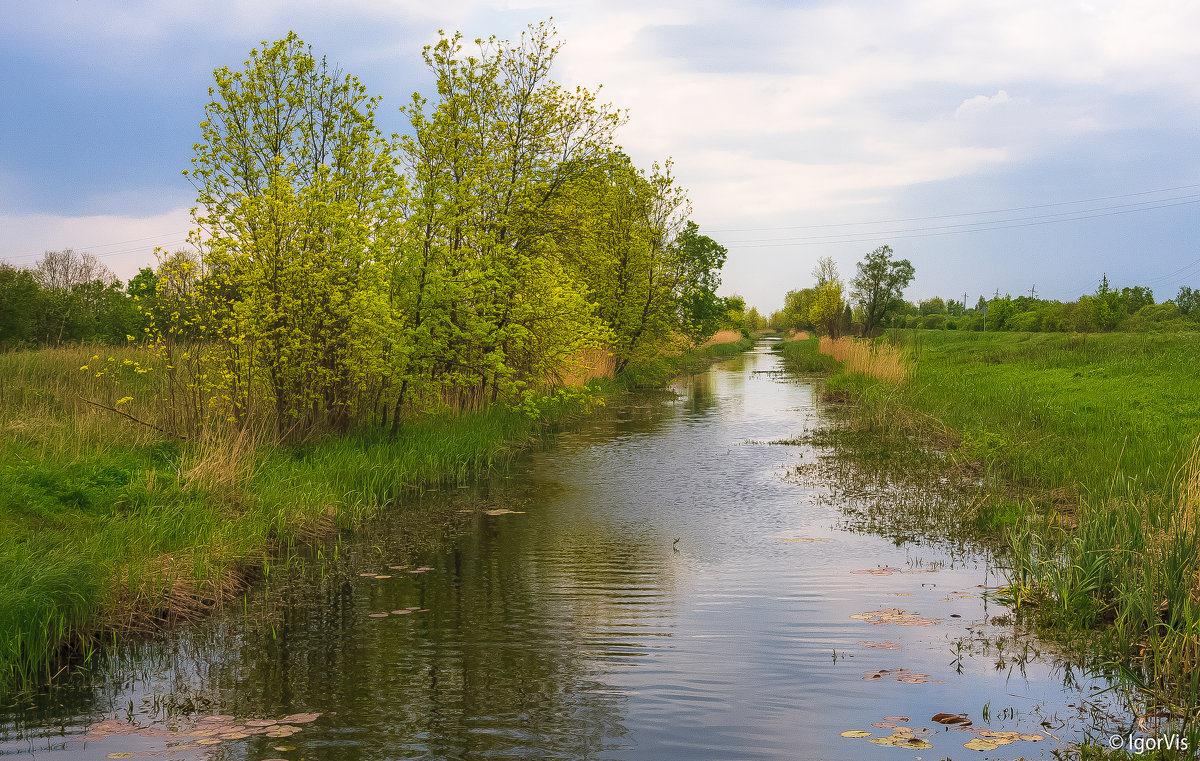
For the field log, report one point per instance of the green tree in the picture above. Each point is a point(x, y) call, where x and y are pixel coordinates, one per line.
point(880, 285)
point(1188, 300)
point(825, 312)
point(700, 259)
point(20, 302)
point(933, 306)
point(297, 226)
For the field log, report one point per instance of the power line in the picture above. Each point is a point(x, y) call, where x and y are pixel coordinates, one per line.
point(963, 214)
point(858, 237)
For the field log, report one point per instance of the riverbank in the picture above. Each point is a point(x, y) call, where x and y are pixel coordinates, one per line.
point(1087, 446)
point(110, 526)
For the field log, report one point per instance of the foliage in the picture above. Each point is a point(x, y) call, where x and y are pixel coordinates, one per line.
point(880, 284)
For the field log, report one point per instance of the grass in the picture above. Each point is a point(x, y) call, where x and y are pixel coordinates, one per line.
point(1094, 440)
point(108, 526)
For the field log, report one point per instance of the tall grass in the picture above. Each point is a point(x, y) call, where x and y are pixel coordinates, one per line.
point(1100, 434)
point(108, 524)
point(875, 360)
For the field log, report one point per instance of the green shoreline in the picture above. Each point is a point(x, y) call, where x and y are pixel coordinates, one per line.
point(108, 528)
point(1086, 448)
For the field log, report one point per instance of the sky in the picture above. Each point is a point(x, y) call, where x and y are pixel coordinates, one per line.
point(1002, 146)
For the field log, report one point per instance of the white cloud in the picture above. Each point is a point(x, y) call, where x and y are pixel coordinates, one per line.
point(125, 244)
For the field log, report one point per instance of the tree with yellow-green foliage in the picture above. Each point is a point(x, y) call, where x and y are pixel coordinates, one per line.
point(298, 222)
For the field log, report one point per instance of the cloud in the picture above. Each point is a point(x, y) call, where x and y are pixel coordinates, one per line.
point(123, 243)
point(981, 105)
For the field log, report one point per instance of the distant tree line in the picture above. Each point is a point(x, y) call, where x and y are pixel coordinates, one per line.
point(68, 297)
point(876, 301)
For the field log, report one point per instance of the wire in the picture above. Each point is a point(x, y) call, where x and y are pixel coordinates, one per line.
point(963, 214)
point(857, 237)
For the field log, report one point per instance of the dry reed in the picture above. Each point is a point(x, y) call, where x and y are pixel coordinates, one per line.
point(586, 364)
point(723, 337)
point(876, 360)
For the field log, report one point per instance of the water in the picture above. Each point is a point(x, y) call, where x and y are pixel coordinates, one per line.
point(641, 602)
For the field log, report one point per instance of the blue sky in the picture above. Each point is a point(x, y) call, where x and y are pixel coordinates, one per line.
point(998, 145)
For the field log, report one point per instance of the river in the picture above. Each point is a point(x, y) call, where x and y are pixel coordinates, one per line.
point(654, 584)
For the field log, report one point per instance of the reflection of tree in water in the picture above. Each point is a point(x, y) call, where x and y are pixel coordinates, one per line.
point(508, 661)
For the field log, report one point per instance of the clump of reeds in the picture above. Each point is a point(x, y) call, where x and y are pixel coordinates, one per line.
point(723, 337)
point(588, 364)
point(872, 359)
point(221, 462)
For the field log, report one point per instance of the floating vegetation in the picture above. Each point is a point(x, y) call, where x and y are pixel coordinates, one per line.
point(882, 646)
point(806, 539)
point(950, 719)
point(909, 737)
point(211, 730)
point(900, 675)
point(503, 511)
point(382, 576)
point(896, 616)
point(882, 570)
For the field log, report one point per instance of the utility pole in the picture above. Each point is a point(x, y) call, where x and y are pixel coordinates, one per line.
point(1033, 291)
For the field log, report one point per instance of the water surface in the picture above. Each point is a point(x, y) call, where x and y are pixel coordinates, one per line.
point(644, 600)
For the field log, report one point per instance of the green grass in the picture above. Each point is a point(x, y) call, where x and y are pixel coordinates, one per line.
point(802, 356)
point(105, 525)
point(1090, 437)
point(661, 369)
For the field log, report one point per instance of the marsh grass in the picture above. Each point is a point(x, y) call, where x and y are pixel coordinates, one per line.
point(1090, 443)
point(872, 359)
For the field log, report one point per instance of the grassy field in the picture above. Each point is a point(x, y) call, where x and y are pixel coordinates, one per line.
point(107, 525)
point(1094, 439)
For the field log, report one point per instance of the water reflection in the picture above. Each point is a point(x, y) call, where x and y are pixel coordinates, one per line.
point(638, 603)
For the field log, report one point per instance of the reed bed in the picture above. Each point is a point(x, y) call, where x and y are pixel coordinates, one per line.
point(875, 360)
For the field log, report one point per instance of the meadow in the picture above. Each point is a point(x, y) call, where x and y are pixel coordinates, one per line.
point(109, 526)
point(1093, 441)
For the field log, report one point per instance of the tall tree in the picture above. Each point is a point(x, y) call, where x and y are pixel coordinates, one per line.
point(297, 225)
point(880, 285)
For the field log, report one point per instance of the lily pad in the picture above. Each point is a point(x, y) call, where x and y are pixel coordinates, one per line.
point(856, 733)
point(401, 612)
point(300, 718)
point(1032, 738)
point(896, 718)
point(980, 744)
point(901, 740)
point(897, 616)
point(950, 719)
point(382, 576)
point(373, 615)
point(900, 675)
point(209, 741)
